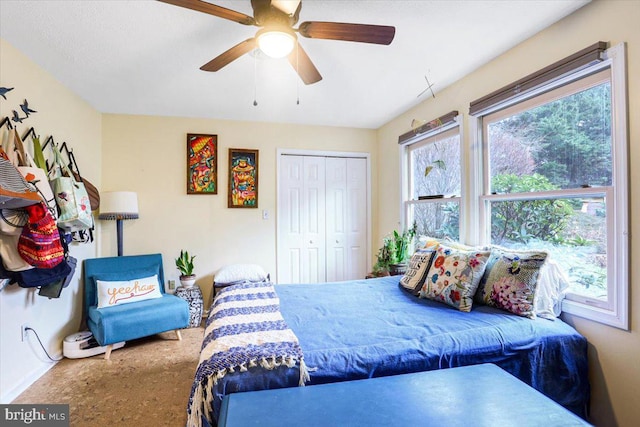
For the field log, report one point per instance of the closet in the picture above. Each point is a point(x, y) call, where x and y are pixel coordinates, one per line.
point(323, 216)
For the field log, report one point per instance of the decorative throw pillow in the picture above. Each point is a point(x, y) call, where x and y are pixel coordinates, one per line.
point(241, 272)
point(511, 280)
point(454, 276)
point(127, 291)
point(417, 270)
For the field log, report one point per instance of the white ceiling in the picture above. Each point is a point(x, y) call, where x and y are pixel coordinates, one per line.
point(143, 57)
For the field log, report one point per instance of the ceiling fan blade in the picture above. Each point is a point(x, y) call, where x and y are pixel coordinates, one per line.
point(230, 55)
point(301, 62)
point(212, 9)
point(363, 33)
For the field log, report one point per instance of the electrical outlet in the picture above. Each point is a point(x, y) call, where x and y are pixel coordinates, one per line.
point(24, 331)
point(172, 284)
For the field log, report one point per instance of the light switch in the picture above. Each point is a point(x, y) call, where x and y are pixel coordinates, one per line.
point(265, 214)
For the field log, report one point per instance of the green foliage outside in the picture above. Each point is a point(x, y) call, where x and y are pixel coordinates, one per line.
point(523, 220)
point(568, 142)
point(570, 138)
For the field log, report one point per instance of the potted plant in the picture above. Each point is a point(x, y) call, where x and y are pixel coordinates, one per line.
point(184, 263)
point(395, 252)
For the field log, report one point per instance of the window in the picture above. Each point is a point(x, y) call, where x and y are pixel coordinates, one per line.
point(555, 178)
point(433, 182)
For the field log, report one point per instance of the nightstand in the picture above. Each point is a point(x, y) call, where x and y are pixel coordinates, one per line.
point(192, 295)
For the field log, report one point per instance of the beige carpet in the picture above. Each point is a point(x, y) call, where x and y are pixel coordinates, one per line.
point(146, 383)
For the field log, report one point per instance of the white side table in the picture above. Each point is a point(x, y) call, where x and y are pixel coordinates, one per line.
point(192, 295)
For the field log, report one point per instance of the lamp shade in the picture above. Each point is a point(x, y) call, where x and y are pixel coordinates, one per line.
point(118, 205)
point(276, 42)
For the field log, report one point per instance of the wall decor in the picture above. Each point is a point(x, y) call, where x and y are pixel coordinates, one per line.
point(243, 178)
point(202, 164)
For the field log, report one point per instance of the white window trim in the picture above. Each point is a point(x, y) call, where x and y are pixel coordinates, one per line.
point(616, 313)
point(406, 200)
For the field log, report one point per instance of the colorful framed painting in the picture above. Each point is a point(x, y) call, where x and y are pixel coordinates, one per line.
point(202, 164)
point(243, 178)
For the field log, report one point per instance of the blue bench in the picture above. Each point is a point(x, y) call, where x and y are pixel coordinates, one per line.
point(479, 395)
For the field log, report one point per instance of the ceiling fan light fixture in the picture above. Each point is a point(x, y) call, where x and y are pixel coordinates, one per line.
point(276, 42)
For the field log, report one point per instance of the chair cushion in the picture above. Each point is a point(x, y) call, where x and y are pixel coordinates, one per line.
point(136, 320)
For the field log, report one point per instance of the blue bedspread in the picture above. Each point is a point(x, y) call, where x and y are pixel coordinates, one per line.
point(371, 328)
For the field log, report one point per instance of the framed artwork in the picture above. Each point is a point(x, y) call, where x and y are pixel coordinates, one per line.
point(202, 164)
point(243, 178)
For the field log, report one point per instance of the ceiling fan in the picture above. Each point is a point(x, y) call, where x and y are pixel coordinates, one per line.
point(277, 37)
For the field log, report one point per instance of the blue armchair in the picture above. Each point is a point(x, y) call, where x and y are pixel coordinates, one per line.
point(136, 319)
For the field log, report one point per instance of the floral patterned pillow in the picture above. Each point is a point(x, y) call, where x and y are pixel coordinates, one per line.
point(511, 281)
point(454, 276)
point(417, 270)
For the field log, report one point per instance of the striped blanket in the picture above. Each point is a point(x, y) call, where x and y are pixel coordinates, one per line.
point(244, 330)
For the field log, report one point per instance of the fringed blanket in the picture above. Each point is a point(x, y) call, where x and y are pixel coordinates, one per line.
point(244, 330)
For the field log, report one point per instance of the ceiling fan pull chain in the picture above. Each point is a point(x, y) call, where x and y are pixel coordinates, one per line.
point(297, 72)
point(255, 79)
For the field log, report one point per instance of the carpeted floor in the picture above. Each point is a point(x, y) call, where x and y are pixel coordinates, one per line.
point(146, 383)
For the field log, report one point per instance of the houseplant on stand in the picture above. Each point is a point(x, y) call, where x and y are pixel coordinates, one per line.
point(184, 263)
point(395, 252)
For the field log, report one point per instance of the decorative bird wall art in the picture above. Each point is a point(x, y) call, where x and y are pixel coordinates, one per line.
point(25, 108)
point(16, 117)
point(4, 90)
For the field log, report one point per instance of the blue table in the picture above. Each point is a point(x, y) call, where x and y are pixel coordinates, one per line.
point(479, 395)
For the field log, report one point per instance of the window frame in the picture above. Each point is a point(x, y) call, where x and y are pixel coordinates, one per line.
point(406, 146)
point(616, 311)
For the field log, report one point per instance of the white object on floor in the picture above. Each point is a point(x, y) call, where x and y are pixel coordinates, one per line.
point(83, 344)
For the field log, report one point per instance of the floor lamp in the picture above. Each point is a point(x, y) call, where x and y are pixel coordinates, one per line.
point(118, 205)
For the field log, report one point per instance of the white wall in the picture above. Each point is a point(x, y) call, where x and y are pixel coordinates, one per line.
point(613, 353)
point(68, 118)
point(148, 155)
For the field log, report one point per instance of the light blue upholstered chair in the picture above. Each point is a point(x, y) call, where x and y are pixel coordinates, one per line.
point(136, 319)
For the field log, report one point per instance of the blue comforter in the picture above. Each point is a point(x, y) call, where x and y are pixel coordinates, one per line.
point(371, 328)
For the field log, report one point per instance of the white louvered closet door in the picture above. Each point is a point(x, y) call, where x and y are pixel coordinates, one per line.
point(322, 219)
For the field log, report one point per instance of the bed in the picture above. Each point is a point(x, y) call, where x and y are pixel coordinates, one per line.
point(372, 328)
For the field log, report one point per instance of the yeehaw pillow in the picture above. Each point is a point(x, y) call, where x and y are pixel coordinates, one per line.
point(111, 293)
point(454, 276)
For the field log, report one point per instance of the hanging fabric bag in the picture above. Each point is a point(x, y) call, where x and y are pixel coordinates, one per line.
point(15, 192)
point(38, 154)
point(71, 197)
point(35, 175)
point(11, 220)
point(39, 242)
point(92, 191)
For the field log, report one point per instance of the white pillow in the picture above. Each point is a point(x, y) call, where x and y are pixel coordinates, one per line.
point(127, 291)
point(553, 285)
point(240, 272)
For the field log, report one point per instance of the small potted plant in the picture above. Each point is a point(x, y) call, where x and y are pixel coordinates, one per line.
point(184, 263)
point(395, 252)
